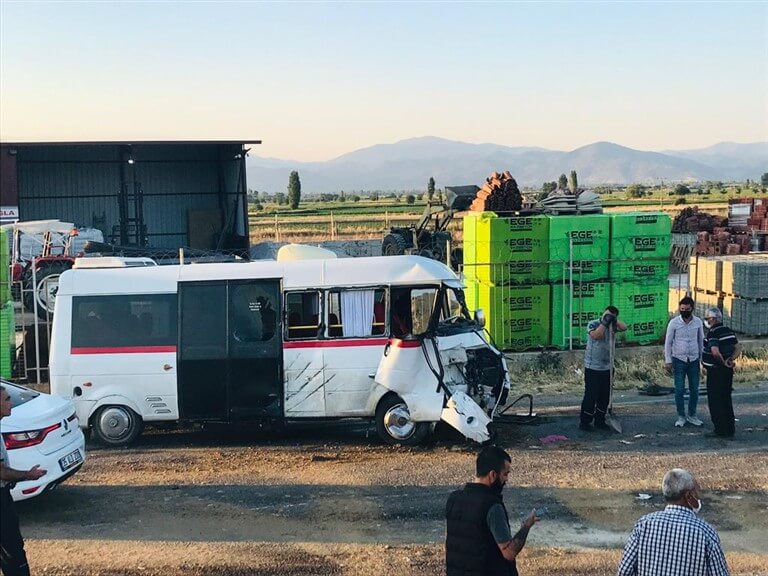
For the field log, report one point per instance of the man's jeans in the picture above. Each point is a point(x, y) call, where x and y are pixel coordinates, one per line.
point(681, 369)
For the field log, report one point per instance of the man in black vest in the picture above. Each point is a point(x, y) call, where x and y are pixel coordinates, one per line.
point(478, 540)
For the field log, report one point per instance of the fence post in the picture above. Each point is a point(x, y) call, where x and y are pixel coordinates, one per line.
point(570, 304)
point(35, 323)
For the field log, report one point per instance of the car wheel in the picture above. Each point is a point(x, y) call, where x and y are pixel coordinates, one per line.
point(116, 425)
point(394, 424)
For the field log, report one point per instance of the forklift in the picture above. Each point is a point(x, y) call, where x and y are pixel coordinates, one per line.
point(430, 237)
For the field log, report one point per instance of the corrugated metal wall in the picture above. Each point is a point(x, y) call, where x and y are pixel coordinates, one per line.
point(81, 184)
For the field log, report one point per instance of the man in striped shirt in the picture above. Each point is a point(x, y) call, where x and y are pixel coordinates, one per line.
point(721, 349)
point(674, 541)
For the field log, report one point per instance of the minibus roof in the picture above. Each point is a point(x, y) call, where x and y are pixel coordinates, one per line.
point(341, 272)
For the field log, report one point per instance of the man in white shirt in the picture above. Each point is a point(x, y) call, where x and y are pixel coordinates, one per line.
point(683, 347)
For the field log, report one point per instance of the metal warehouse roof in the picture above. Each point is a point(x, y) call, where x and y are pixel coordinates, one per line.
point(129, 142)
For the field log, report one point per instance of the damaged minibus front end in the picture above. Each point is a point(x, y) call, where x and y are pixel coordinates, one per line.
point(443, 368)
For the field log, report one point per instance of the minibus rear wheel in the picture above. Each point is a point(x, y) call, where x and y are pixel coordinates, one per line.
point(116, 425)
point(394, 424)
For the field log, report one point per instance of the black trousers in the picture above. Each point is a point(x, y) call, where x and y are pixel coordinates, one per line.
point(597, 390)
point(13, 559)
point(719, 389)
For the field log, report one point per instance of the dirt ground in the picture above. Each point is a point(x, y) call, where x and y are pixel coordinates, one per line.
point(333, 500)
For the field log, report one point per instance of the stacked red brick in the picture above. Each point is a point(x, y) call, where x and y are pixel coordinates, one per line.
point(758, 220)
point(722, 242)
point(499, 194)
point(714, 236)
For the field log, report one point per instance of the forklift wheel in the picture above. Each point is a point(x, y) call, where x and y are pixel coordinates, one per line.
point(393, 245)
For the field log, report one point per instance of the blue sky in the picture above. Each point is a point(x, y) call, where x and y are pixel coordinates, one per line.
point(315, 80)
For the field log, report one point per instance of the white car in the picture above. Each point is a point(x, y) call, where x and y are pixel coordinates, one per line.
point(42, 429)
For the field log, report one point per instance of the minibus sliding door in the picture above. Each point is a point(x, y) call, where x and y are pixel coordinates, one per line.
point(230, 353)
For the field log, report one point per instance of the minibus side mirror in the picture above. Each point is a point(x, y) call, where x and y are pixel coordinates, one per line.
point(480, 317)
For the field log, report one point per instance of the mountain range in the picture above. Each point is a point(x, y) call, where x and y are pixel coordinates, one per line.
point(408, 164)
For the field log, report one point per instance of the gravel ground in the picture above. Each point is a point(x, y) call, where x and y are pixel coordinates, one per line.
point(332, 500)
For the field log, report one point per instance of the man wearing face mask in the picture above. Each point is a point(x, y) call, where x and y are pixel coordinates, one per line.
point(683, 347)
point(721, 349)
point(478, 539)
point(598, 364)
point(674, 541)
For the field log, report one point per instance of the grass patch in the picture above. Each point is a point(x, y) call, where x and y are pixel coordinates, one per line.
point(554, 373)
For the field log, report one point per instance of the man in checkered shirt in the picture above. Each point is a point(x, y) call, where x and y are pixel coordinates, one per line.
point(674, 541)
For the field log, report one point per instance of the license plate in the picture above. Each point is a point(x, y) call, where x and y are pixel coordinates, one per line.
point(71, 459)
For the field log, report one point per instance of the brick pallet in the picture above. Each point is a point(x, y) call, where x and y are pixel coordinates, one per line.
point(499, 194)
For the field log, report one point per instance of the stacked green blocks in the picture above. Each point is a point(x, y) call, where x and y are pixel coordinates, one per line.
point(643, 308)
point(620, 259)
point(588, 237)
point(505, 250)
point(588, 303)
point(640, 246)
point(7, 339)
point(5, 284)
point(7, 327)
point(518, 317)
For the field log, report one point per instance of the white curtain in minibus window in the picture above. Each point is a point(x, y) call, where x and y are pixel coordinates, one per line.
point(357, 312)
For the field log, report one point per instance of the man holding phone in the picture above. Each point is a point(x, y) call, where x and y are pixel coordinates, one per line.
point(478, 538)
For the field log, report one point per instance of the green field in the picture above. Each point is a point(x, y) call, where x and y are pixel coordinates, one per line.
point(316, 221)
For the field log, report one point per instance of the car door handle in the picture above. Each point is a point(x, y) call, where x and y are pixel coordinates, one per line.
point(167, 367)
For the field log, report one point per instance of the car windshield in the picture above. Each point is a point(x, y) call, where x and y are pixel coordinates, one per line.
point(19, 394)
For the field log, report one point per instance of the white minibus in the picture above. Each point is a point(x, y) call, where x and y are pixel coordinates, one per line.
point(270, 342)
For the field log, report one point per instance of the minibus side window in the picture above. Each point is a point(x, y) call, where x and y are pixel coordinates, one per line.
point(356, 313)
point(127, 320)
point(254, 319)
point(302, 311)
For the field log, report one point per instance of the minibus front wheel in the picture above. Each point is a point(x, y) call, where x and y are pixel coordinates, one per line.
point(394, 424)
point(116, 425)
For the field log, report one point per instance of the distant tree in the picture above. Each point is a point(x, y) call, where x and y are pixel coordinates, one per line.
point(562, 182)
point(430, 188)
point(374, 196)
point(294, 190)
point(634, 191)
point(258, 207)
point(764, 180)
point(573, 181)
point(548, 187)
point(679, 201)
point(355, 198)
point(342, 197)
point(681, 190)
point(280, 198)
point(410, 199)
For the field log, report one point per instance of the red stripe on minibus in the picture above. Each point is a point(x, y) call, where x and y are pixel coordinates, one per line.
point(124, 350)
point(336, 343)
point(397, 343)
point(352, 343)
